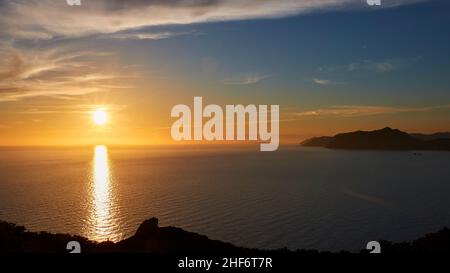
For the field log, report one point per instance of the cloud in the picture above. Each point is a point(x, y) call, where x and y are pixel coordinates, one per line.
point(382, 66)
point(32, 35)
point(150, 35)
point(26, 73)
point(25, 64)
point(68, 108)
point(250, 78)
point(324, 82)
point(364, 110)
point(43, 19)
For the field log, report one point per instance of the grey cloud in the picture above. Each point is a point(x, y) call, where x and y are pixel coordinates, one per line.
point(149, 35)
point(378, 66)
point(126, 4)
point(49, 18)
point(325, 81)
point(250, 78)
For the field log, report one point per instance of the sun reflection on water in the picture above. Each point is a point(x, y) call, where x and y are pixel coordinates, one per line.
point(103, 223)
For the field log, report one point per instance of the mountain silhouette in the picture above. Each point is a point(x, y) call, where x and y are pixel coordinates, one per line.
point(383, 139)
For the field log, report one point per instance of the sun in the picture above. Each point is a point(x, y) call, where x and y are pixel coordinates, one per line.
point(100, 117)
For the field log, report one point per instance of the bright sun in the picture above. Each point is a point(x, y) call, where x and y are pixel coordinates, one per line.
point(100, 117)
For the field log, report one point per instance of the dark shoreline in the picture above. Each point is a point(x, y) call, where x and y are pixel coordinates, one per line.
point(150, 238)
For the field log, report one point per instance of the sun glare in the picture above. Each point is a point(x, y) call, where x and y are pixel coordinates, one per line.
point(100, 117)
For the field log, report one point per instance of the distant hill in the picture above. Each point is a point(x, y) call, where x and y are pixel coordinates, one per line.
point(435, 136)
point(383, 139)
point(317, 141)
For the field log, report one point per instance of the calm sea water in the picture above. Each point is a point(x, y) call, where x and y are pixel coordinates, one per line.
point(295, 197)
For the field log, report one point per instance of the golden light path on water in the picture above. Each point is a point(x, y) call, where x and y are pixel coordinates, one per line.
point(102, 223)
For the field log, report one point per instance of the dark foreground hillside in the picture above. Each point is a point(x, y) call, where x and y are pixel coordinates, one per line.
point(150, 238)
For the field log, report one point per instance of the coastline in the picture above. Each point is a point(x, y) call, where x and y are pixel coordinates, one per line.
point(150, 238)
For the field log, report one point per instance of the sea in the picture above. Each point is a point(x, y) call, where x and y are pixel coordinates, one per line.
point(296, 197)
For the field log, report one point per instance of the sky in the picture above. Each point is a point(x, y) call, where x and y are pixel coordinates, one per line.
point(332, 66)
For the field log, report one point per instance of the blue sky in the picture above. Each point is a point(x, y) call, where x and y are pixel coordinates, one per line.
point(398, 53)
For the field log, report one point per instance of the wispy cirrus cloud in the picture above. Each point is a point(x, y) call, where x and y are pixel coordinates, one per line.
point(68, 108)
point(245, 79)
point(377, 66)
point(26, 73)
point(146, 35)
point(43, 19)
point(324, 81)
point(381, 66)
point(363, 110)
